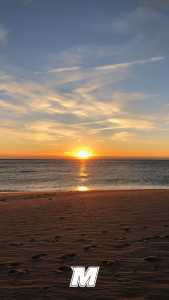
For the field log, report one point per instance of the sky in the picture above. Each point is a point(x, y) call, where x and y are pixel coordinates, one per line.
point(81, 75)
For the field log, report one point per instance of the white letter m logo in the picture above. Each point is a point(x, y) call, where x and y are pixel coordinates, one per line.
point(82, 278)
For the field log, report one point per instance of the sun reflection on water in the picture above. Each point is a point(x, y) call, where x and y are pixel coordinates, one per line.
point(82, 177)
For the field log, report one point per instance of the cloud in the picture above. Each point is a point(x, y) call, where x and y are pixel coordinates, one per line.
point(62, 70)
point(125, 65)
point(122, 136)
point(11, 107)
point(163, 4)
point(43, 130)
point(143, 20)
point(26, 2)
point(95, 77)
point(3, 33)
point(84, 101)
point(136, 124)
point(145, 30)
point(133, 123)
point(76, 55)
point(92, 104)
point(51, 130)
point(87, 101)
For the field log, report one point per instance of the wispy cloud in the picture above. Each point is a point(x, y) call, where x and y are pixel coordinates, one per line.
point(125, 65)
point(122, 136)
point(43, 130)
point(133, 123)
point(88, 101)
point(145, 30)
point(76, 55)
point(10, 107)
point(63, 69)
point(3, 33)
point(91, 104)
point(163, 4)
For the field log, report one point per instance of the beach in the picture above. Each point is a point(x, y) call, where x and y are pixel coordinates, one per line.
point(125, 233)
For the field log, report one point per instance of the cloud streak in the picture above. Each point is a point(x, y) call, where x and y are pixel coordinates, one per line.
point(122, 136)
point(3, 34)
point(42, 130)
point(125, 65)
point(133, 123)
point(64, 69)
point(162, 4)
point(50, 112)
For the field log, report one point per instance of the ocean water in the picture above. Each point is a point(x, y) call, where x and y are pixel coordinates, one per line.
point(82, 175)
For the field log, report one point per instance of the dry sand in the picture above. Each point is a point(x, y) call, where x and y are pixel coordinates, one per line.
point(126, 233)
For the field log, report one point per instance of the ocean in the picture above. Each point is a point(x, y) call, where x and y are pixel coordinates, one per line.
point(33, 175)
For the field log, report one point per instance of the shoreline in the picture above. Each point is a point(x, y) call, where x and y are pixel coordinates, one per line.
point(88, 191)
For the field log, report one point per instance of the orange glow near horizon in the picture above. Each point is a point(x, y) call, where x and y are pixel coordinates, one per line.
point(82, 189)
point(18, 149)
point(83, 154)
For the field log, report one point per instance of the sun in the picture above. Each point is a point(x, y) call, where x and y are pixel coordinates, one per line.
point(83, 154)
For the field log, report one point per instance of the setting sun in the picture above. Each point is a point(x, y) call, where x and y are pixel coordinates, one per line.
point(83, 154)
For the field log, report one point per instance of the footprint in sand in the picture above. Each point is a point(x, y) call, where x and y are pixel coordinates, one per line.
point(126, 244)
point(119, 239)
point(152, 258)
point(50, 199)
point(3, 199)
point(145, 227)
point(141, 240)
point(61, 218)
point(126, 229)
point(45, 288)
point(104, 231)
point(16, 244)
point(57, 238)
point(32, 240)
point(156, 236)
point(80, 240)
point(82, 234)
point(148, 238)
point(165, 225)
point(15, 264)
point(122, 245)
point(12, 271)
point(89, 247)
point(110, 262)
point(68, 256)
point(18, 272)
point(64, 268)
point(38, 256)
point(164, 236)
point(49, 240)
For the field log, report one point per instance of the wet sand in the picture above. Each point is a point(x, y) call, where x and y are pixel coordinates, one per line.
point(126, 233)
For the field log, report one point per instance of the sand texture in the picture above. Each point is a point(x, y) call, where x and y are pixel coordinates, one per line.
point(126, 233)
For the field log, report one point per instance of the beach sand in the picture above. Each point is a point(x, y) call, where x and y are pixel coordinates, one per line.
point(125, 233)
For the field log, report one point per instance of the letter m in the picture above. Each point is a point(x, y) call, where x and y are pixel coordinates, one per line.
point(82, 278)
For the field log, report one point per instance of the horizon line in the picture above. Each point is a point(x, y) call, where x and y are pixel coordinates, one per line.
point(5, 157)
